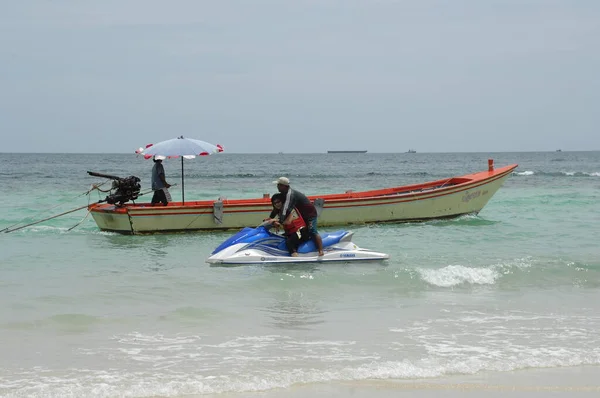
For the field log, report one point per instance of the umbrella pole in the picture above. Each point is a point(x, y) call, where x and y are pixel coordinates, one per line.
point(182, 184)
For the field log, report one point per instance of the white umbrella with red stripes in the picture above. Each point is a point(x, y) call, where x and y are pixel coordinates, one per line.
point(186, 148)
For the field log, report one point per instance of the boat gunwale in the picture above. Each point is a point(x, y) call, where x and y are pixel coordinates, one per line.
point(331, 204)
point(412, 192)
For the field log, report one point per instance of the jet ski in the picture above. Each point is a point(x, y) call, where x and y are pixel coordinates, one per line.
point(260, 246)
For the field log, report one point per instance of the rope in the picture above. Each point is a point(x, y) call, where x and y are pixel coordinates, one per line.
point(7, 230)
point(97, 187)
point(94, 186)
point(446, 182)
point(89, 210)
point(82, 220)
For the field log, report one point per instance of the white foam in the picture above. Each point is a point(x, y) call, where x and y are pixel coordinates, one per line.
point(565, 173)
point(444, 360)
point(324, 343)
point(524, 173)
point(580, 173)
point(453, 275)
point(467, 342)
point(518, 263)
point(136, 338)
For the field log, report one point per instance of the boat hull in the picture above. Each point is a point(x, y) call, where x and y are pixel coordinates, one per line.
point(448, 198)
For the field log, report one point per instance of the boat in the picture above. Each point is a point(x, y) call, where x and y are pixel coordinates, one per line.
point(346, 151)
point(411, 151)
point(260, 246)
point(445, 198)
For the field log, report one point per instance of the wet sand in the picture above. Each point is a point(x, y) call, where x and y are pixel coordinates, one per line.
point(556, 382)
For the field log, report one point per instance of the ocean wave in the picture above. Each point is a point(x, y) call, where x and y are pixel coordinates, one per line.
point(466, 219)
point(173, 382)
point(267, 177)
point(454, 275)
point(69, 323)
point(225, 176)
point(527, 271)
point(556, 173)
point(39, 229)
point(176, 364)
point(524, 173)
point(141, 339)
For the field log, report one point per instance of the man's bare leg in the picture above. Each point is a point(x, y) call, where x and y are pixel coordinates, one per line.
point(319, 243)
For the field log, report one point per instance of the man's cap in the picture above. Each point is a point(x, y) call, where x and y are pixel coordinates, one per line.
point(282, 181)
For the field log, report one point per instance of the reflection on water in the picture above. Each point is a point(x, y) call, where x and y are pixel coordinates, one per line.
point(468, 220)
point(292, 310)
point(292, 267)
point(119, 241)
point(156, 257)
point(149, 250)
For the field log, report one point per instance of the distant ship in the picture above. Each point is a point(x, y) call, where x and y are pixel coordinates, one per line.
point(411, 151)
point(346, 151)
point(559, 150)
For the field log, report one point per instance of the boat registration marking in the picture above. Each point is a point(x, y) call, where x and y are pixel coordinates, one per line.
point(468, 196)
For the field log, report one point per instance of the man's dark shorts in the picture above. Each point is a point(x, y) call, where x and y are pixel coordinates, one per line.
point(312, 226)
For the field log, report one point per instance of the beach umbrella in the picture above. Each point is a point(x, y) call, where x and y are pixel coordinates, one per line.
point(180, 147)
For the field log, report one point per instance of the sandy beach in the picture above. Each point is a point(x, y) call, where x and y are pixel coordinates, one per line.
point(561, 382)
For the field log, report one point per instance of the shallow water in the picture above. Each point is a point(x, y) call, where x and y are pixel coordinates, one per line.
point(89, 313)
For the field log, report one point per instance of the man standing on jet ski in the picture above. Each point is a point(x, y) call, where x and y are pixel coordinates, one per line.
point(296, 199)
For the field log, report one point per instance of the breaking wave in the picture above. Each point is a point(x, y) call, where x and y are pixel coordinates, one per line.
point(557, 173)
point(514, 273)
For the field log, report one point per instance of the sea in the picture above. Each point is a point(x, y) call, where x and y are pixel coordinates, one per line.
point(86, 313)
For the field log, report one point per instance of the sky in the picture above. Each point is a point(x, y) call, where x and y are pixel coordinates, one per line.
point(301, 76)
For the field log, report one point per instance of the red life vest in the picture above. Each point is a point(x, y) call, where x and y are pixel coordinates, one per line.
point(296, 223)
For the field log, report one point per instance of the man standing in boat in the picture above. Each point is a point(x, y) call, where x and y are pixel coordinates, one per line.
point(159, 183)
point(296, 199)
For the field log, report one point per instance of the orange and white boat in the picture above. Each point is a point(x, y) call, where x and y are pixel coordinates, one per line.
point(447, 198)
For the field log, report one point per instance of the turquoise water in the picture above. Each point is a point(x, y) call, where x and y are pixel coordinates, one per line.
point(89, 313)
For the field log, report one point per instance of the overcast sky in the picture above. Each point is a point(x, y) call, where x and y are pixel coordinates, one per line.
point(299, 75)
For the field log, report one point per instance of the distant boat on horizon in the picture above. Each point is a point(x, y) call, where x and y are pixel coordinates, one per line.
point(411, 151)
point(559, 150)
point(347, 151)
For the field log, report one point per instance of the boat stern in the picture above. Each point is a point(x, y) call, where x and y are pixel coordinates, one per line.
point(111, 218)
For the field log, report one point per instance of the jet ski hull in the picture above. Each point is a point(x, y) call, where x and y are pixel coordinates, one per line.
point(259, 246)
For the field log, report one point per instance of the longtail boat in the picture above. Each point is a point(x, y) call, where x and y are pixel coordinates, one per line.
point(446, 198)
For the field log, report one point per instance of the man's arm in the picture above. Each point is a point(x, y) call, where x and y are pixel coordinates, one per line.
point(161, 175)
point(288, 205)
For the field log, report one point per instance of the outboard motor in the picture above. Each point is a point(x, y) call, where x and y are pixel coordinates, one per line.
point(123, 189)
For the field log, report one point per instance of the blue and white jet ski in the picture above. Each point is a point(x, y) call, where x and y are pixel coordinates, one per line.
point(259, 246)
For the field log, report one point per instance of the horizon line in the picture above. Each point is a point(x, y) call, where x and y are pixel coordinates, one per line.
point(304, 153)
